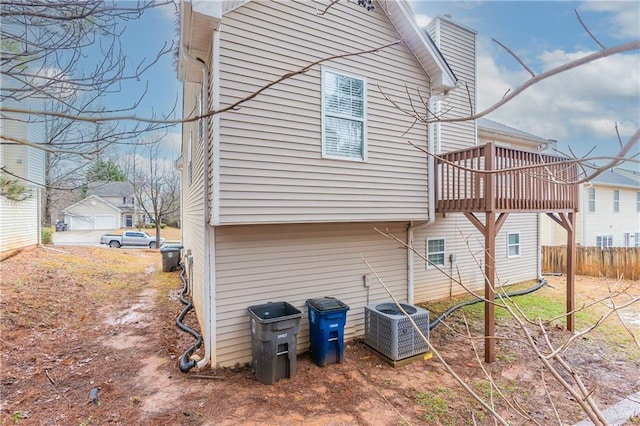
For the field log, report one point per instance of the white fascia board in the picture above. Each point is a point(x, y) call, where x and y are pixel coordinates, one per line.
point(447, 78)
point(211, 8)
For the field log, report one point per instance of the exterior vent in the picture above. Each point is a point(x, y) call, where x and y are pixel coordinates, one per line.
point(389, 332)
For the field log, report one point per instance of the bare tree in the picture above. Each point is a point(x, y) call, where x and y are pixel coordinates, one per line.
point(66, 56)
point(156, 184)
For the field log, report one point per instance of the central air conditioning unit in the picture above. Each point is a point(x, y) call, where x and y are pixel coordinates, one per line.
point(388, 331)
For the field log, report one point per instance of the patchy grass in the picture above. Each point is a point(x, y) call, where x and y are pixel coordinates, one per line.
point(434, 405)
point(545, 305)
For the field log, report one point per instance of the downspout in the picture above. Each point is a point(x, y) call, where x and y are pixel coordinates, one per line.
point(212, 212)
point(207, 288)
point(431, 187)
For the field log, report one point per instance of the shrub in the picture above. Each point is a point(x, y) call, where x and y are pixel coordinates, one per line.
point(47, 234)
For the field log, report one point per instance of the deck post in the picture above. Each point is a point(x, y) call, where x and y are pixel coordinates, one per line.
point(489, 287)
point(571, 270)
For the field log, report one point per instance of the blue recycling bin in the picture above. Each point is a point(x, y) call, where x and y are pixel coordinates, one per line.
point(327, 318)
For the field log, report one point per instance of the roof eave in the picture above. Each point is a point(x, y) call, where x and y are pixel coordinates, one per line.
point(198, 21)
point(427, 53)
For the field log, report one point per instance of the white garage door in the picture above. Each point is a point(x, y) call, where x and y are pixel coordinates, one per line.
point(104, 221)
point(80, 223)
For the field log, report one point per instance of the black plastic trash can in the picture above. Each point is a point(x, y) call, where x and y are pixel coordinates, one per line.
point(170, 257)
point(274, 340)
point(327, 318)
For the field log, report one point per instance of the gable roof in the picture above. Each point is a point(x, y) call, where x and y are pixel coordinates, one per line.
point(199, 18)
point(501, 132)
point(88, 200)
point(616, 178)
point(105, 188)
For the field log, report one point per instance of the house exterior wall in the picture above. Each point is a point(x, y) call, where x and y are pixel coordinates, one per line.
point(604, 221)
point(290, 225)
point(458, 45)
point(466, 244)
point(293, 263)
point(271, 165)
point(20, 221)
point(193, 217)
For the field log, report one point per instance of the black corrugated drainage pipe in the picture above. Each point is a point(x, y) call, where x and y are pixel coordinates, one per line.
point(449, 311)
point(186, 363)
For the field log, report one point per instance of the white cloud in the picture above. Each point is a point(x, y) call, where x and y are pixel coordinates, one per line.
point(423, 20)
point(580, 106)
point(622, 16)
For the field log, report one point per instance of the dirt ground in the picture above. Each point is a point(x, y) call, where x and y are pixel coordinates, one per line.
point(81, 321)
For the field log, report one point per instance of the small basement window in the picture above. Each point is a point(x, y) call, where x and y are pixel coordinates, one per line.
point(435, 252)
point(513, 244)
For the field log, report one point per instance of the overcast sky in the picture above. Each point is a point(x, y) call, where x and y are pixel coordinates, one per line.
point(579, 108)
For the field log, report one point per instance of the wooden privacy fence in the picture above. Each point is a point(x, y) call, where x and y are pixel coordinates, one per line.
point(612, 262)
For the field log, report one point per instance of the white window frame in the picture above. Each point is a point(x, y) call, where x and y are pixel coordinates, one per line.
point(517, 245)
point(430, 264)
point(591, 200)
point(638, 201)
point(616, 201)
point(604, 241)
point(363, 119)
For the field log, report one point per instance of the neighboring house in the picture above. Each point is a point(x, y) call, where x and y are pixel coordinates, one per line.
point(284, 196)
point(20, 221)
point(108, 205)
point(609, 213)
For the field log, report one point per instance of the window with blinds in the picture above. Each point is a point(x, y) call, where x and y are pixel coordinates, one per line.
point(343, 116)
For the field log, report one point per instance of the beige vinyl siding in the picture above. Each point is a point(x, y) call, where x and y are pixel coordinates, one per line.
point(193, 203)
point(457, 45)
point(271, 165)
point(256, 264)
point(466, 243)
point(524, 267)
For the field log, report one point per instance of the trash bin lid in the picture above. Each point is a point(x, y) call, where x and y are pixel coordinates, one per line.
point(325, 304)
point(171, 247)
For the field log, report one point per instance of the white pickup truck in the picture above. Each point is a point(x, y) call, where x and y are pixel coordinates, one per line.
point(130, 238)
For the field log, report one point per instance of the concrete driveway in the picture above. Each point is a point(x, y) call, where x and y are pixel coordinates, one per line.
point(78, 238)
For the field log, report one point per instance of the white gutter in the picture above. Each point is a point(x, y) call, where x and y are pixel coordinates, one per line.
point(431, 162)
point(431, 188)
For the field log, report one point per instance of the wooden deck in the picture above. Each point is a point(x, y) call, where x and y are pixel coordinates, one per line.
point(490, 178)
point(499, 181)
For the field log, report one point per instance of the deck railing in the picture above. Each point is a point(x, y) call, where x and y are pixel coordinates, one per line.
point(521, 181)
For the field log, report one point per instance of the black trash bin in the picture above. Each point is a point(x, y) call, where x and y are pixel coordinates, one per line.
point(274, 334)
point(327, 318)
point(170, 257)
